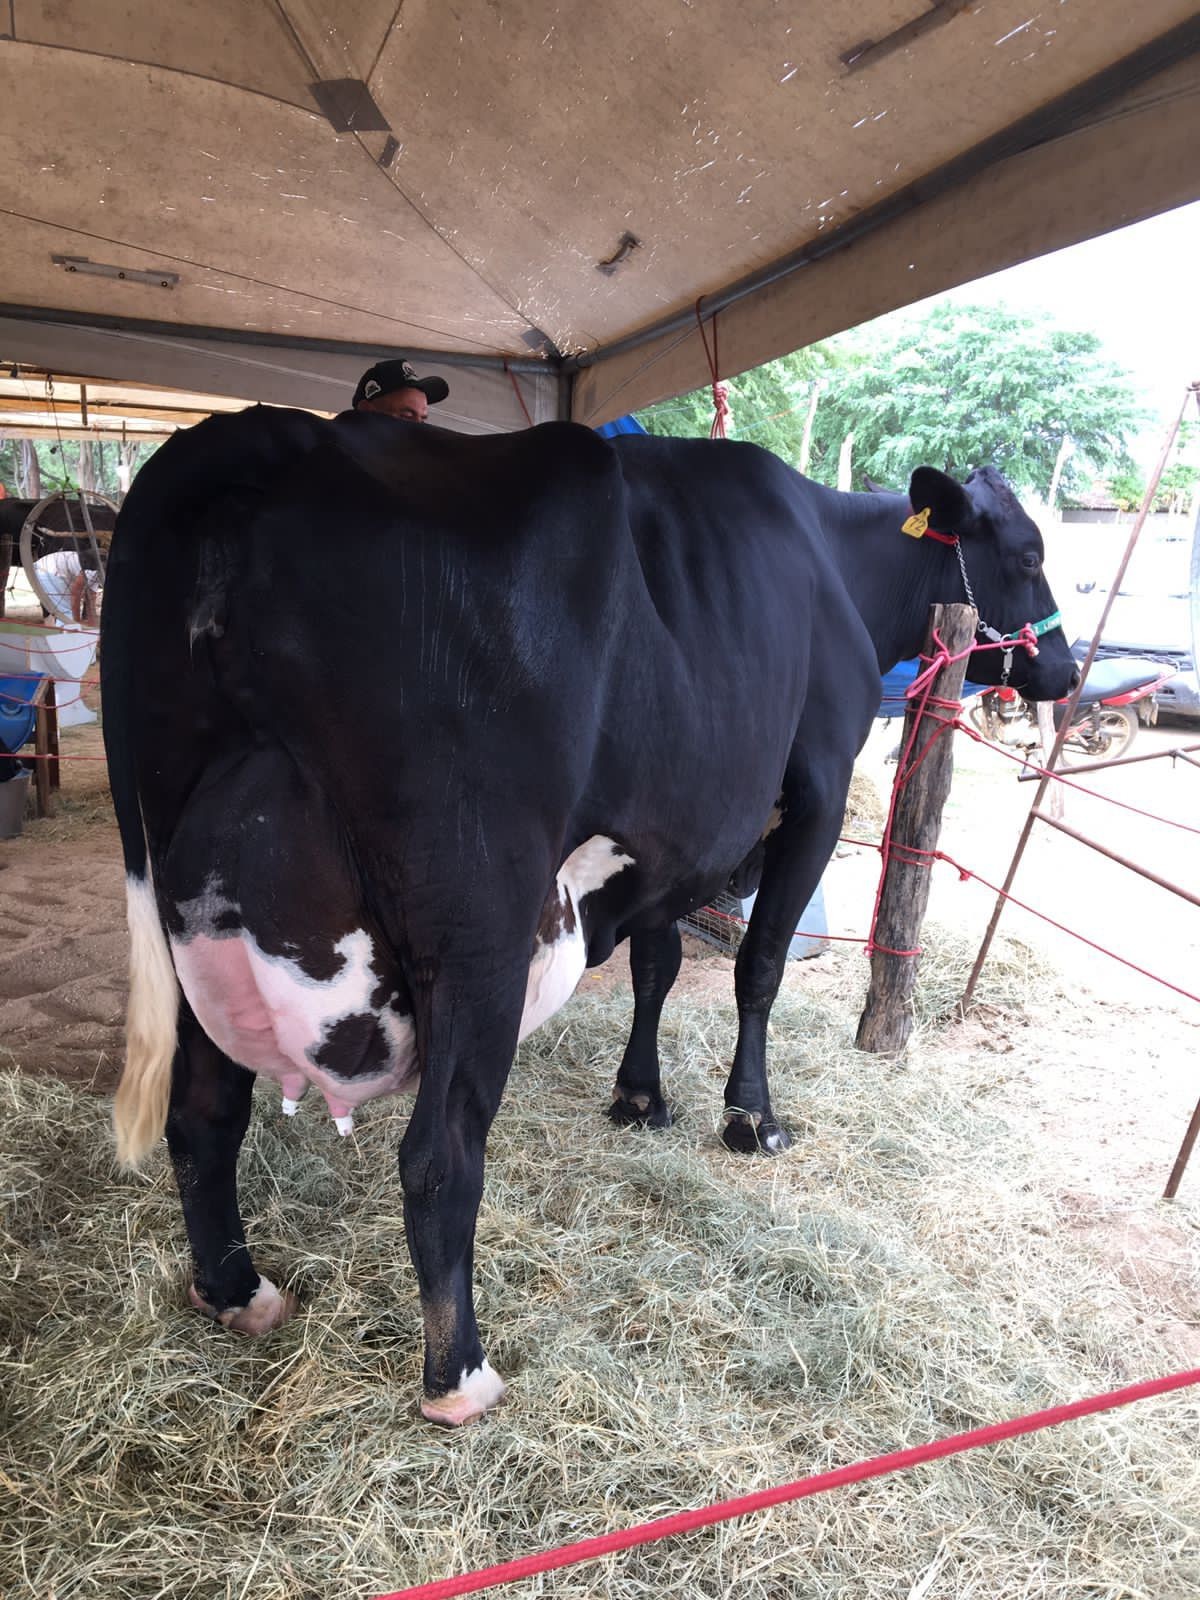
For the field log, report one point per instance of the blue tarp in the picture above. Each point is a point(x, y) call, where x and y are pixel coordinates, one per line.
point(896, 684)
point(628, 424)
point(17, 714)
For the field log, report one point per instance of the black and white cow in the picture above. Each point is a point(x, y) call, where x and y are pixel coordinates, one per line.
point(404, 730)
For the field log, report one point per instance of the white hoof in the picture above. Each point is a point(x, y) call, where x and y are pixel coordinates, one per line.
point(476, 1394)
point(267, 1308)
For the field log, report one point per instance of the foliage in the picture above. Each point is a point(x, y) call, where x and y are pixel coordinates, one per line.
point(953, 387)
point(1127, 487)
point(966, 385)
point(1178, 485)
point(61, 466)
point(769, 404)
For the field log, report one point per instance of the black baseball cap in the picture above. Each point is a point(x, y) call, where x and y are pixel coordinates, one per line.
point(385, 376)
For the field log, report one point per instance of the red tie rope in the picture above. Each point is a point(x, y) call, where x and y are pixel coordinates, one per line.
point(720, 391)
point(512, 378)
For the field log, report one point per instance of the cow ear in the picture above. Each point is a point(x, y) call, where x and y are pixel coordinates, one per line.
point(950, 508)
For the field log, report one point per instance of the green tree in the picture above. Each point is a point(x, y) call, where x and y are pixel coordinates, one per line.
point(1127, 486)
point(62, 469)
point(770, 405)
point(1177, 487)
point(964, 386)
point(955, 387)
point(1178, 484)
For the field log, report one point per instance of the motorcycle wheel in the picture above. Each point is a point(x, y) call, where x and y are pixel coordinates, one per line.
point(1106, 737)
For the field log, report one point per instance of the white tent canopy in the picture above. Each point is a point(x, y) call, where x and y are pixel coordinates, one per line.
point(256, 199)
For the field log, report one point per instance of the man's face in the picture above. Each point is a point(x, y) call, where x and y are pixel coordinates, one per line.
point(408, 405)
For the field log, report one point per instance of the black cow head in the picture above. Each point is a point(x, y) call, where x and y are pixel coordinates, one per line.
point(1001, 553)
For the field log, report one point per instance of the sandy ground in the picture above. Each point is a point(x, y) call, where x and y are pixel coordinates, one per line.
point(1104, 1064)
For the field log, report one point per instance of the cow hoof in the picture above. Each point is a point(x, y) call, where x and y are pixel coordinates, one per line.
point(268, 1308)
point(754, 1136)
point(476, 1394)
point(638, 1110)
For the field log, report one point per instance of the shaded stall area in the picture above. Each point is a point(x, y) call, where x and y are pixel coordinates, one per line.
point(539, 198)
point(571, 213)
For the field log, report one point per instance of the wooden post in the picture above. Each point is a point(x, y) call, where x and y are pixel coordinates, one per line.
point(52, 733)
point(45, 746)
point(921, 793)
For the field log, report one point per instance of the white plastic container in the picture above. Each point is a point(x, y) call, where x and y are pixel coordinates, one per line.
point(64, 652)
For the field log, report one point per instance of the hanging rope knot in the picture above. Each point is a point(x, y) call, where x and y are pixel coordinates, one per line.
point(721, 411)
point(1028, 638)
point(720, 390)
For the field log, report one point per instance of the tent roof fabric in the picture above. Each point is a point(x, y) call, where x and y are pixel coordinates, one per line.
point(539, 182)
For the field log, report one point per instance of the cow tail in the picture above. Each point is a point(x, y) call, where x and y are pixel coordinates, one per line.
point(171, 498)
point(143, 1094)
point(140, 1108)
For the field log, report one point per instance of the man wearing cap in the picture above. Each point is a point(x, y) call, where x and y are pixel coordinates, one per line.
point(394, 388)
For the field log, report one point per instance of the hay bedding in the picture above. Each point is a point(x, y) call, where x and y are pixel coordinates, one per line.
point(677, 1327)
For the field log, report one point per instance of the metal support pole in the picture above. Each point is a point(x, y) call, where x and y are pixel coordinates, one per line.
point(1181, 752)
point(1122, 861)
point(1181, 1160)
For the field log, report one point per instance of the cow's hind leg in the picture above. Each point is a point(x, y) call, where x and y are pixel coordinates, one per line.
point(795, 858)
point(206, 1122)
point(467, 1026)
point(654, 958)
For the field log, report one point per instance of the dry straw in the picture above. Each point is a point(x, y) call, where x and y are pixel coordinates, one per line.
point(677, 1326)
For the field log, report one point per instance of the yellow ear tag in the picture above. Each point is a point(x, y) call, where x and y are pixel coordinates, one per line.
point(916, 525)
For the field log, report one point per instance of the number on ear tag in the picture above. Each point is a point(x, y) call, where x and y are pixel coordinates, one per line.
point(916, 525)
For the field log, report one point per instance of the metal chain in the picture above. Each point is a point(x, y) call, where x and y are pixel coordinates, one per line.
point(962, 567)
point(981, 626)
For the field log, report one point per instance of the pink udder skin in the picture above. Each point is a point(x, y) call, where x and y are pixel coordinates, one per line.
point(265, 1015)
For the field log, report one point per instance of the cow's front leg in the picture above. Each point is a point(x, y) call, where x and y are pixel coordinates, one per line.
point(795, 858)
point(207, 1120)
point(467, 1047)
point(654, 959)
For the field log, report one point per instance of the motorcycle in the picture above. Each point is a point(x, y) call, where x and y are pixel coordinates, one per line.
point(1117, 694)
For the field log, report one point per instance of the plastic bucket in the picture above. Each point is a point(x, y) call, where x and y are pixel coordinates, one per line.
point(12, 804)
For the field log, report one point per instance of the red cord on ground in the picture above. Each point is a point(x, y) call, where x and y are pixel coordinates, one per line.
point(725, 1510)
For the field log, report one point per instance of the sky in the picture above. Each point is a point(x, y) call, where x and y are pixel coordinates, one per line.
point(1138, 289)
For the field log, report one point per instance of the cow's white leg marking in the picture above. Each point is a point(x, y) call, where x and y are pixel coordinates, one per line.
point(558, 963)
point(476, 1393)
point(774, 819)
point(267, 1308)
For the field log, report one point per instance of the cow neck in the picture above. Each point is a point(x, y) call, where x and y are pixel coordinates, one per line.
point(893, 579)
